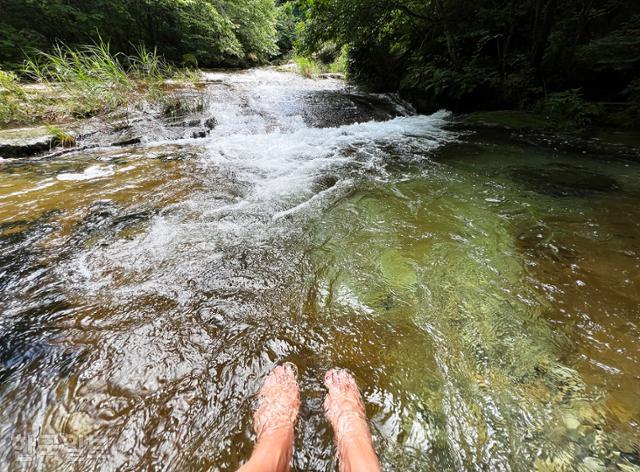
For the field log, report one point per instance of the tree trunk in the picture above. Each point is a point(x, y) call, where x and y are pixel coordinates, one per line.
point(543, 19)
point(509, 38)
point(452, 47)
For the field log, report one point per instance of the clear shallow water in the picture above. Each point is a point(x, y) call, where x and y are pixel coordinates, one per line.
point(485, 294)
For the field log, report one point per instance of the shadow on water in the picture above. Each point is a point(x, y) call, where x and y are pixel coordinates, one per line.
point(565, 180)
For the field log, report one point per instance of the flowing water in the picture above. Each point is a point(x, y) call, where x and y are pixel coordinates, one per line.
point(484, 293)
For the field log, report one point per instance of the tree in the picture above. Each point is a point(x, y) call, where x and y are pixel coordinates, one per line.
point(482, 54)
point(216, 32)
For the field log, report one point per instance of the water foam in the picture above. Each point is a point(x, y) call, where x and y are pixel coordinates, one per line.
point(281, 165)
point(90, 173)
point(256, 182)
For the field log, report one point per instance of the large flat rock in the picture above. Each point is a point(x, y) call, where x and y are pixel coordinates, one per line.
point(23, 142)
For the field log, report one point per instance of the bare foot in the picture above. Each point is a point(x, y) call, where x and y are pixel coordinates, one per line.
point(343, 405)
point(345, 411)
point(274, 419)
point(278, 401)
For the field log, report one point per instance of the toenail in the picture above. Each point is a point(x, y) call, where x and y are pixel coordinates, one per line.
point(291, 366)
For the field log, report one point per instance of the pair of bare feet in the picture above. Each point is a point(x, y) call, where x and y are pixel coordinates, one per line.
point(275, 417)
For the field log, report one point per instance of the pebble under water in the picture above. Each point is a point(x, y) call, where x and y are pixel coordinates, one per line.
point(484, 293)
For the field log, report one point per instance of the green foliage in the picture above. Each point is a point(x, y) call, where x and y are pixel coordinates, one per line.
point(487, 54)
point(447, 84)
point(311, 67)
point(254, 24)
point(307, 67)
point(190, 61)
point(631, 115)
point(11, 96)
point(286, 27)
point(146, 64)
point(92, 77)
point(86, 81)
point(633, 92)
point(569, 109)
point(329, 59)
point(61, 137)
point(341, 64)
point(9, 84)
point(216, 32)
point(617, 50)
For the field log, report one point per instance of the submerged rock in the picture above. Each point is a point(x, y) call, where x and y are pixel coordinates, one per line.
point(631, 457)
point(564, 181)
point(539, 130)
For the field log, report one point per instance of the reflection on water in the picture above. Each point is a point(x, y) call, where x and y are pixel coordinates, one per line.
point(484, 294)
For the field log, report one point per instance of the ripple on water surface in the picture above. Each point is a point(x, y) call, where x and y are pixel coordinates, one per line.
point(486, 304)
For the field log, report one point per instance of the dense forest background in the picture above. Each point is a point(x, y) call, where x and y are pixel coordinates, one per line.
point(582, 56)
point(486, 53)
point(209, 32)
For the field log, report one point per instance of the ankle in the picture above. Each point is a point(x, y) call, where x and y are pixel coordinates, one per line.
point(350, 426)
point(356, 454)
point(279, 437)
point(274, 450)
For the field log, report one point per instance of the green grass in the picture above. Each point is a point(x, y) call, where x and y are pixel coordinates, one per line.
point(86, 81)
point(62, 137)
point(97, 81)
point(310, 67)
point(307, 67)
point(11, 96)
point(341, 64)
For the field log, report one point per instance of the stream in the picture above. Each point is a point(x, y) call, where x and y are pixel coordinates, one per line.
point(484, 292)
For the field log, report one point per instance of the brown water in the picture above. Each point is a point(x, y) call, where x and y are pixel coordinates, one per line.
point(484, 293)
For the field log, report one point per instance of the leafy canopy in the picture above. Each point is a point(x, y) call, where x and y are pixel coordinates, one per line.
point(214, 32)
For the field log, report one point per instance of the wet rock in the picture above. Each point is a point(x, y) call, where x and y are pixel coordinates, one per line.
point(26, 142)
point(333, 108)
point(185, 103)
point(180, 123)
point(210, 123)
point(332, 75)
point(631, 457)
point(182, 117)
point(203, 125)
point(120, 126)
point(128, 141)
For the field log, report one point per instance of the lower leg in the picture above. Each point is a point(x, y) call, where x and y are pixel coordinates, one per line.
point(271, 454)
point(274, 419)
point(345, 410)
